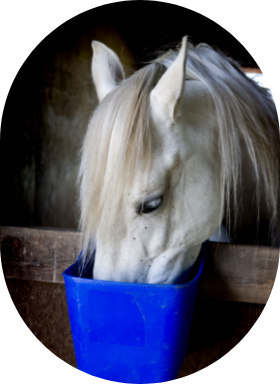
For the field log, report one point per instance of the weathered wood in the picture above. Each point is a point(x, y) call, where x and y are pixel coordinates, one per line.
point(38, 254)
point(232, 272)
point(239, 273)
point(252, 70)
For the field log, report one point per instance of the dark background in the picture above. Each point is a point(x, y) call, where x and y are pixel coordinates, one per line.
point(52, 99)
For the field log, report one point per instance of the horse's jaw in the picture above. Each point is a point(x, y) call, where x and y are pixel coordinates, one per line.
point(172, 266)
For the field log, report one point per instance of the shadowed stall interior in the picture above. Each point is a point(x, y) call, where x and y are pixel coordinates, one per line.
point(52, 98)
point(45, 118)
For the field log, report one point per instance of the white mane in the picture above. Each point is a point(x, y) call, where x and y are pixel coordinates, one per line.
point(246, 117)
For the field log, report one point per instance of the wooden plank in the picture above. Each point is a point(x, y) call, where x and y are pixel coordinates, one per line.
point(251, 70)
point(239, 273)
point(37, 254)
point(232, 272)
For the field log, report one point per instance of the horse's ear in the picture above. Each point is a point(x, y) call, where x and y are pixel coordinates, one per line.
point(106, 69)
point(166, 96)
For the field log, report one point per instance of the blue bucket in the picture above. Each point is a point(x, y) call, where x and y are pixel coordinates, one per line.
point(130, 333)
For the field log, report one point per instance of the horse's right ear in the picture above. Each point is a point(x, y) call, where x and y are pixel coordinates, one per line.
point(106, 68)
point(166, 96)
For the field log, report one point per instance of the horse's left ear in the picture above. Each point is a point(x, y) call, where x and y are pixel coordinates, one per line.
point(106, 68)
point(165, 97)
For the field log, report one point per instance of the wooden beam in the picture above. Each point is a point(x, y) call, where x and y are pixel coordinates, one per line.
point(252, 70)
point(38, 254)
point(239, 272)
point(232, 272)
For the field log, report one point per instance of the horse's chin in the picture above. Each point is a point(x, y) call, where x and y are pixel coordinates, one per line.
point(182, 278)
point(177, 269)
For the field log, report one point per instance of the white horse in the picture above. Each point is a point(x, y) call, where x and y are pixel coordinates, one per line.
point(170, 154)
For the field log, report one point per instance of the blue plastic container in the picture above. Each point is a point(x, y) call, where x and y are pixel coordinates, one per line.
point(130, 333)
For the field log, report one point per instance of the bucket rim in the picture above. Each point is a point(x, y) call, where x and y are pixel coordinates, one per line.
point(86, 280)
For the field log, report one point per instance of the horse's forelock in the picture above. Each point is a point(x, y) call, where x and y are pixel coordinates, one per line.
point(117, 147)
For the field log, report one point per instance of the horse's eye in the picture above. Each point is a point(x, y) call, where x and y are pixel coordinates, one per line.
point(150, 206)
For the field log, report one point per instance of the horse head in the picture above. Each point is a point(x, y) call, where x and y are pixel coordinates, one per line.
point(157, 170)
